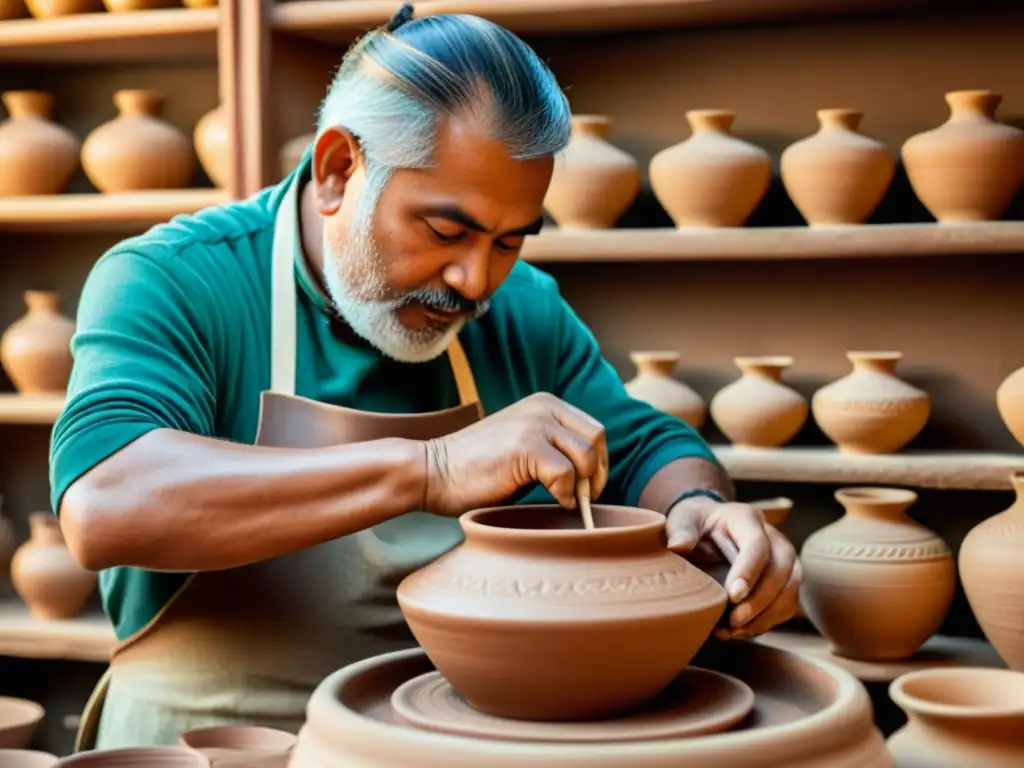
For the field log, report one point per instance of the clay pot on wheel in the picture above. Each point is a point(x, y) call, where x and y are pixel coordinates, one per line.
point(758, 410)
point(137, 150)
point(877, 584)
point(1010, 402)
point(137, 757)
point(36, 349)
point(19, 719)
point(213, 145)
point(509, 616)
point(655, 385)
point(959, 718)
point(45, 574)
point(38, 157)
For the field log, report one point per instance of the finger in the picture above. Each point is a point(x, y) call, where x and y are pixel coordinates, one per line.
point(783, 609)
point(552, 468)
point(578, 450)
point(773, 581)
point(745, 534)
point(591, 430)
point(684, 529)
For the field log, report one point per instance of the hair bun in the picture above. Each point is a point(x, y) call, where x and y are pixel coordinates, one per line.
point(402, 15)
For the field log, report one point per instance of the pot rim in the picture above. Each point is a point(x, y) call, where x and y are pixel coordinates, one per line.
point(958, 676)
point(875, 494)
point(649, 521)
point(21, 712)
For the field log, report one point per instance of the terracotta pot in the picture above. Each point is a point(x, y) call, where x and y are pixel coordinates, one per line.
point(838, 175)
point(871, 410)
point(47, 9)
point(758, 410)
point(712, 179)
point(35, 350)
point(292, 152)
point(127, 6)
point(38, 156)
point(992, 573)
point(593, 183)
point(776, 511)
point(970, 167)
point(1010, 402)
point(12, 9)
point(27, 758)
point(655, 385)
point(876, 583)
point(19, 719)
point(137, 757)
point(241, 745)
point(46, 576)
point(508, 617)
point(138, 150)
point(213, 145)
point(959, 718)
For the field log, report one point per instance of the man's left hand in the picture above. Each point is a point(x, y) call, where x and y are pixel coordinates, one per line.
point(764, 573)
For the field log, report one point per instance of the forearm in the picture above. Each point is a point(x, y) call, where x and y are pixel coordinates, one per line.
point(172, 501)
point(679, 476)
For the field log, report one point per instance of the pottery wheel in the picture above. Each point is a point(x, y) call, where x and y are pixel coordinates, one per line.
point(698, 702)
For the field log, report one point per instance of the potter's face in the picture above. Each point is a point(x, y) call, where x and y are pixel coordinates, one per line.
point(408, 270)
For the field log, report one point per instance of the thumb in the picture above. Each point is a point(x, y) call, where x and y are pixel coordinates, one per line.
point(684, 533)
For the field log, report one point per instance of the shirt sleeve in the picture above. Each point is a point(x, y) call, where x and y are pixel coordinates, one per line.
point(142, 361)
point(641, 439)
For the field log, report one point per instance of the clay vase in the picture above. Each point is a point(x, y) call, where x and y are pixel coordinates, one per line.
point(1010, 402)
point(992, 573)
point(593, 183)
point(137, 757)
point(35, 350)
point(292, 152)
point(655, 385)
point(509, 617)
point(213, 145)
point(876, 583)
point(871, 410)
point(137, 150)
point(958, 718)
point(758, 410)
point(38, 156)
point(46, 576)
point(971, 166)
point(838, 175)
point(712, 179)
point(48, 9)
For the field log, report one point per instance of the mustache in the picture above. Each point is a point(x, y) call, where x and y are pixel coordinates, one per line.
point(446, 300)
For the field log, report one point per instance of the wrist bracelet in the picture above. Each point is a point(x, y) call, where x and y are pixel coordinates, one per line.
point(693, 492)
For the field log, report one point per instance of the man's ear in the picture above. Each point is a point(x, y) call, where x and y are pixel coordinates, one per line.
point(336, 156)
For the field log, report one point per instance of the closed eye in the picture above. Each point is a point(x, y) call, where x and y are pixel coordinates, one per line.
point(510, 245)
point(451, 237)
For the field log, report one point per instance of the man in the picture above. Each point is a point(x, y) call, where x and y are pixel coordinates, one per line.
point(381, 276)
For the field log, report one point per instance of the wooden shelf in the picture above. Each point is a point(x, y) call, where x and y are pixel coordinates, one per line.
point(30, 409)
point(129, 211)
point(756, 243)
point(109, 37)
point(340, 20)
point(89, 637)
point(939, 651)
point(938, 469)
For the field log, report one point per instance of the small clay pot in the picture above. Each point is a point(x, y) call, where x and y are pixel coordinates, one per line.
point(200, 3)
point(213, 145)
point(758, 410)
point(38, 157)
point(241, 745)
point(35, 350)
point(137, 757)
point(127, 6)
point(48, 9)
point(655, 385)
point(776, 511)
point(1010, 402)
point(27, 758)
point(19, 719)
point(292, 152)
point(45, 574)
point(137, 150)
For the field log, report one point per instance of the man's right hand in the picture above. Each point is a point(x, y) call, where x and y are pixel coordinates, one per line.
point(539, 439)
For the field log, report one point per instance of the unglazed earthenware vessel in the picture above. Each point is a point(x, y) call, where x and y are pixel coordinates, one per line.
point(711, 179)
point(137, 757)
point(38, 157)
point(776, 511)
point(27, 758)
point(213, 145)
point(241, 745)
point(128, 6)
point(992, 572)
point(45, 574)
point(959, 718)
point(971, 166)
point(35, 350)
point(877, 584)
point(594, 182)
point(871, 410)
point(655, 385)
point(758, 410)
point(138, 150)
point(1010, 402)
point(19, 719)
point(521, 615)
point(292, 152)
point(47, 9)
point(838, 175)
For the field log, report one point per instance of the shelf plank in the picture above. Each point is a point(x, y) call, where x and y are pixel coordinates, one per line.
point(89, 637)
point(916, 469)
point(771, 243)
point(335, 21)
point(30, 409)
point(938, 651)
point(111, 37)
point(128, 211)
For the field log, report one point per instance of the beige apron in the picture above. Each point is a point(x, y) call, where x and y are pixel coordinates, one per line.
point(249, 645)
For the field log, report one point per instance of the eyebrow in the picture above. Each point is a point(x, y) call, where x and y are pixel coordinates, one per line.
point(455, 214)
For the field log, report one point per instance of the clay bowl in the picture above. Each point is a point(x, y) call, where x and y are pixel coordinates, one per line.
point(244, 744)
point(775, 510)
point(137, 757)
point(18, 721)
point(26, 758)
point(535, 618)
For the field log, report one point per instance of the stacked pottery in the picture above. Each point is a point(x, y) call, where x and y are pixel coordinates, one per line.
point(38, 157)
point(992, 572)
point(970, 167)
point(877, 584)
point(712, 179)
point(871, 410)
point(213, 145)
point(36, 349)
point(958, 718)
point(45, 574)
point(655, 385)
point(292, 152)
point(137, 150)
point(593, 183)
point(758, 410)
point(1010, 402)
point(838, 175)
